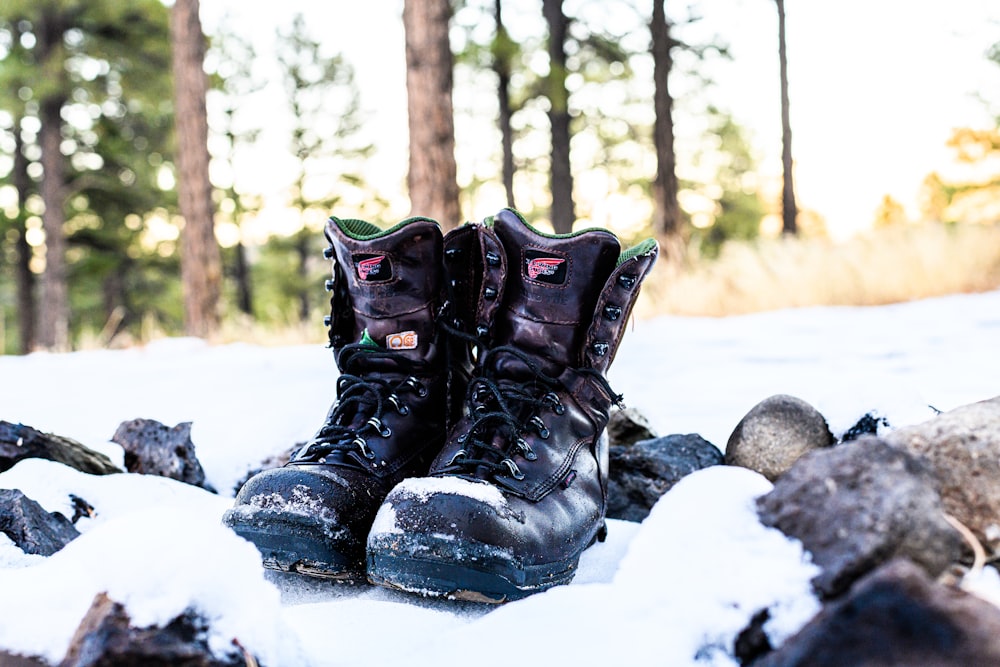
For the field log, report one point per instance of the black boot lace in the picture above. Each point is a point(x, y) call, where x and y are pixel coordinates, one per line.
point(504, 411)
point(363, 396)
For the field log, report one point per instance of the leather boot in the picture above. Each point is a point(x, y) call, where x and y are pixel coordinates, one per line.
point(520, 488)
point(389, 421)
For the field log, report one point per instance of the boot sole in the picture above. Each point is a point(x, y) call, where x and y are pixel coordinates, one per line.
point(288, 546)
point(492, 580)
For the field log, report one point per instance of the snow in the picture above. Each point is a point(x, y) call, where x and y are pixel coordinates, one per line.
point(423, 488)
point(675, 589)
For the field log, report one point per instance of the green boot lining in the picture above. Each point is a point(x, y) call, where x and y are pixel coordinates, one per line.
point(642, 248)
point(360, 230)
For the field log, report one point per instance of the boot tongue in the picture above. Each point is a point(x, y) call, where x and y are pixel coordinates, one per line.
point(552, 289)
point(392, 282)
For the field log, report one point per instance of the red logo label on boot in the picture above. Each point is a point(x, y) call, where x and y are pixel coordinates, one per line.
point(371, 268)
point(544, 267)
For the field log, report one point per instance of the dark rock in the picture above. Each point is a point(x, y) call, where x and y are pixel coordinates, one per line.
point(18, 442)
point(105, 637)
point(30, 527)
point(152, 448)
point(962, 448)
point(896, 616)
point(752, 642)
point(867, 425)
point(775, 433)
point(275, 461)
point(858, 505)
point(628, 426)
point(641, 473)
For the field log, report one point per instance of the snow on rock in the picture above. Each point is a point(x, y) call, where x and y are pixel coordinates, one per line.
point(50, 484)
point(157, 563)
point(706, 543)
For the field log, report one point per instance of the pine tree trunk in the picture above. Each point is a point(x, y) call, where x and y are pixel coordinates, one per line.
point(302, 254)
point(432, 176)
point(789, 211)
point(244, 292)
point(563, 213)
point(53, 315)
point(201, 264)
point(667, 220)
point(26, 304)
point(501, 65)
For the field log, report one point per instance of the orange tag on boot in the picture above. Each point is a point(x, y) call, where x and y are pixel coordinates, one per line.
point(404, 340)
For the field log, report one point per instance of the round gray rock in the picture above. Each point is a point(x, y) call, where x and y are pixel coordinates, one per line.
point(775, 434)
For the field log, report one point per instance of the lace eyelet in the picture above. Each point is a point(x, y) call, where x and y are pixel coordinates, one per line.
point(401, 408)
point(515, 472)
point(362, 444)
point(459, 454)
point(417, 386)
point(553, 400)
point(382, 429)
point(526, 450)
point(543, 430)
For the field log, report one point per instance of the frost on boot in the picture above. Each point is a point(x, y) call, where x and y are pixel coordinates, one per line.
point(520, 487)
point(313, 515)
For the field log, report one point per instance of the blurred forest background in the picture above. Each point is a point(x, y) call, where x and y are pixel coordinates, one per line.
point(122, 126)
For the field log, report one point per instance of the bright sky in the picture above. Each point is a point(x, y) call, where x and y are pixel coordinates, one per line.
point(876, 88)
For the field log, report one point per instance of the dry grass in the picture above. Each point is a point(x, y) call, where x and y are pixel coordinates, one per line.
point(886, 266)
point(244, 330)
point(234, 329)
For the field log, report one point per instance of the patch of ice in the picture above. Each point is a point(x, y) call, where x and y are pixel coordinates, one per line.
point(424, 487)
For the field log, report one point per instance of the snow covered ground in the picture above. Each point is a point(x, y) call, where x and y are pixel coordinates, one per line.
point(673, 590)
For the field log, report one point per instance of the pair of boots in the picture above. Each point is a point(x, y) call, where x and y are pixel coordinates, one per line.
point(465, 455)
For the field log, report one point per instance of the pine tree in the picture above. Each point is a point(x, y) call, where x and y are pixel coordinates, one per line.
point(235, 83)
point(432, 177)
point(563, 213)
point(789, 210)
point(325, 105)
point(201, 263)
point(667, 216)
point(75, 67)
